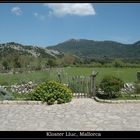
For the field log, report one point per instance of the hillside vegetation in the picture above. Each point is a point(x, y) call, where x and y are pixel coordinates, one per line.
point(73, 52)
point(98, 49)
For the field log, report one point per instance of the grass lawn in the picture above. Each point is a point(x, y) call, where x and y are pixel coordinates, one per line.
point(126, 74)
point(8, 79)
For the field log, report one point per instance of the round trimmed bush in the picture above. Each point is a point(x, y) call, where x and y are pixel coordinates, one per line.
point(50, 92)
point(111, 85)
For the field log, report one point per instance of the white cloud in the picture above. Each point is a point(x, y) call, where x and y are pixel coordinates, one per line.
point(17, 11)
point(39, 16)
point(79, 9)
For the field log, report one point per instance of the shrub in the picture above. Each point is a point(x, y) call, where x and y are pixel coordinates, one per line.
point(51, 101)
point(60, 101)
point(137, 88)
point(111, 85)
point(50, 92)
point(5, 95)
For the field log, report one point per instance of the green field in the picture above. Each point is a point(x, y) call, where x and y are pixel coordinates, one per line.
point(126, 74)
point(8, 79)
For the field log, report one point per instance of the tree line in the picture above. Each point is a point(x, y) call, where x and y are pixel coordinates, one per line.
point(38, 63)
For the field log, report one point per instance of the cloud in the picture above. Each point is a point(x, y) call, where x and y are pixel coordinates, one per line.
point(39, 16)
point(79, 9)
point(17, 11)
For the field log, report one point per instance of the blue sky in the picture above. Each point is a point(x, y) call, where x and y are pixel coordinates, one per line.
point(48, 24)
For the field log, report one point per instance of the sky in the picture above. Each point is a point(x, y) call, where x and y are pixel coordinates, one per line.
point(45, 24)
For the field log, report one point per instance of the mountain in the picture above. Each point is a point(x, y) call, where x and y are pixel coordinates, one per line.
point(12, 48)
point(98, 49)
point(79, 48)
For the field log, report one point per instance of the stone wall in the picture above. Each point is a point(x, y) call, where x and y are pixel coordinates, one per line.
point(23, 88)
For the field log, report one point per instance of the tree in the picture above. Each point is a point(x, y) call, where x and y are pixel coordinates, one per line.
point(5, 65)
point(17, 64)
point(24, 60)
point(51, 62)
point(68, 59)
point(118, 63)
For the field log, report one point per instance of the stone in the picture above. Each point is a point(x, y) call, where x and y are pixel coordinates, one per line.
point(5, 102)
point(23, 88)
point(128, 87)
point(30, 82)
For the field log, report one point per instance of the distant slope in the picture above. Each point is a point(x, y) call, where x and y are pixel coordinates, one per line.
point(13, 48)
point(91, 48)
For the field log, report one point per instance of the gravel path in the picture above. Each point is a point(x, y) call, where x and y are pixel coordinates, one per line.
point(80, 114)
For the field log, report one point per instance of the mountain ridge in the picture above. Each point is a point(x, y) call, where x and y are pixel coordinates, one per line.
point(92, 48)
point(76, 47)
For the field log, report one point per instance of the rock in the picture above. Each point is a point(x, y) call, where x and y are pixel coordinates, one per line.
point(30, 82)
point(66, 85)
point(23, 88)
point(128, 87)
